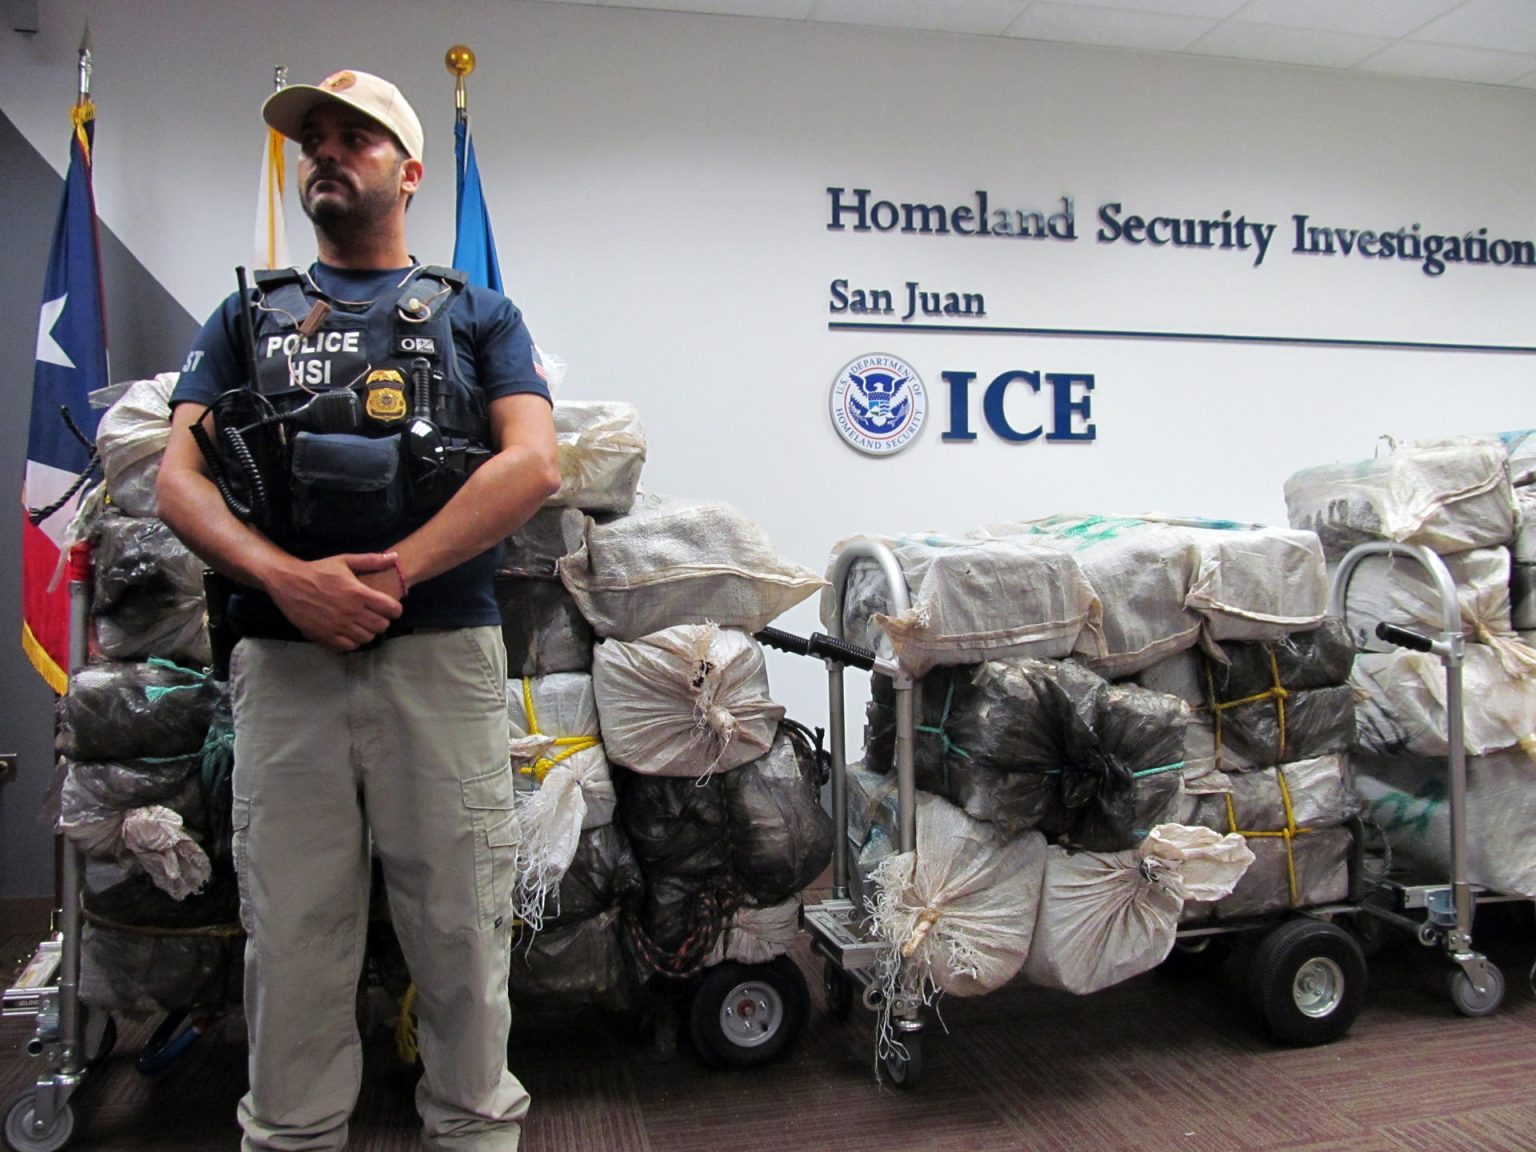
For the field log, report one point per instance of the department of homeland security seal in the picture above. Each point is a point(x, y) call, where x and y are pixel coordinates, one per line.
point(878, 404)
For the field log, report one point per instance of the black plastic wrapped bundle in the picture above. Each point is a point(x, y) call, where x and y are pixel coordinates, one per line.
point(542, 627)
point(128, 711)
point(1319, 658)
point(1277, 729)
point(676, 825)
point(780, 836)
point(585, 964)
point(148, 591)
point(602, 874)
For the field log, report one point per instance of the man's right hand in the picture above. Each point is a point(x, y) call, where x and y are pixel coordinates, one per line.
point(328, 602)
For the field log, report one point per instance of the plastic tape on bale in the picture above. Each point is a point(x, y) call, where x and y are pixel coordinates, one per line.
point(972, 600)
point(1140, 571)
point(1401, 704)
point(673, 561)
point(1450, 496)
point(686, 701)
point(1409, 800)
point(960, 911)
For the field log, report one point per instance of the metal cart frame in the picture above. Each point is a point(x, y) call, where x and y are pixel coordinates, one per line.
point(1476, 984)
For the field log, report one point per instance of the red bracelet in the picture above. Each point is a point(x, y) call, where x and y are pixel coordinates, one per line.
point(400, 574)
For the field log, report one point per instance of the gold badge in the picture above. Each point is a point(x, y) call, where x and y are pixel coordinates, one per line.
point(385, 400)
point(338, 81)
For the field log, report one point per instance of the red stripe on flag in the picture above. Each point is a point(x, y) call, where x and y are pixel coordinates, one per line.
point(45, 633)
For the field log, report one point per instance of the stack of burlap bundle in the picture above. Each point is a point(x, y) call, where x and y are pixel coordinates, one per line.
point(1472, 502)
point(670, 816)
point(1098, 687)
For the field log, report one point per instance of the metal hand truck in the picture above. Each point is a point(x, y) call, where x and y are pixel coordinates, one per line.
point(67, 1037)
point(836, 926)
point(1438, 913)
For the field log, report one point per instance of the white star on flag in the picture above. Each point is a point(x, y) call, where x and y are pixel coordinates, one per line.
point(48, 350)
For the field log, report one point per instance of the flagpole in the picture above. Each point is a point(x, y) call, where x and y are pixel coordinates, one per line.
point(84, 95)
point(460, 62)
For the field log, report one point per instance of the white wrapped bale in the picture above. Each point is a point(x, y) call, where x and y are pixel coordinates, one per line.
point(672, 562)
point(1309, 869)
point(1400, 704)
point(563, 785)
point(960, 910)
point(131, 438)
point(1451, 496)
point(155, 837)
point(1309, 793)
point(1399, 591)
point(1255, 583)
point(1408, 799)
point(1104, 918)
point(1140, 570)
point(601, 446)
point(972, 601)
point(685, 701)
point(756, 935)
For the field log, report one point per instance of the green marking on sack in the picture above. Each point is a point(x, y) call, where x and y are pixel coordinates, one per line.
point(1430, 796)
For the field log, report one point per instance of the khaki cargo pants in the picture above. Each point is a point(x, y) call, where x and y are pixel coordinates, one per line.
point(407, 742)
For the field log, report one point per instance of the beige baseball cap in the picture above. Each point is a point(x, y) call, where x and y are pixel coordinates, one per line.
point(371, 95)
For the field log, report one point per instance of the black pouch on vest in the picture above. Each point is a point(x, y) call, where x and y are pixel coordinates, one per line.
point(348, 490)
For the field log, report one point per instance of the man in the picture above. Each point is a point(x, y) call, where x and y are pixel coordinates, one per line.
point(369, 679)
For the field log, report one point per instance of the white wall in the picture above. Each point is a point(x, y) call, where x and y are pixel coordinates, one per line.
point(657, 184)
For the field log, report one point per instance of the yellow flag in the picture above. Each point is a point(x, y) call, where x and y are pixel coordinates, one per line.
point(271, 226)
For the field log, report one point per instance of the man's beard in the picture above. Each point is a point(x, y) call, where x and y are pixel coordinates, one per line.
point(342, 218)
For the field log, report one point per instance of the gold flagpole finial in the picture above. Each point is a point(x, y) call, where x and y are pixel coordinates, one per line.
point(280, 77)
point(460, 62)
point(84, 95)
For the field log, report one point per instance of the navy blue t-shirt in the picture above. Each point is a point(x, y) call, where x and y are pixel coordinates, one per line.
point(493, 352)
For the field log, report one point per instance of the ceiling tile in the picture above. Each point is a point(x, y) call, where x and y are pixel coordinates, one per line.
point(1210, 9)
point(1118, 28)
point(1287, 45)
point(980, 17)
point(1389, 18)
point(1497, 25)
point(1445, 62)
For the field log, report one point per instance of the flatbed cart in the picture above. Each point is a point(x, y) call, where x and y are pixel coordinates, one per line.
point(1437, 912)
point(68, 1036)
point(1307, 973)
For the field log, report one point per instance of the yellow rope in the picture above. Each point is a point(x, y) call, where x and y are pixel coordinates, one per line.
point(1288, 834)
point(405, 1030)
point(569, 745)
point(1277, 692)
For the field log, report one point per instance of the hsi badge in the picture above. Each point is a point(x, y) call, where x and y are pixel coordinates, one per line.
point(878, 404)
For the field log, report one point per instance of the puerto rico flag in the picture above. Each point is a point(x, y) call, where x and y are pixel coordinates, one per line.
point(71, 363)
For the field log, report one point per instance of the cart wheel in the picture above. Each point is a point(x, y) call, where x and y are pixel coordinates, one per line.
point(904, 1065)
point(1468, 1000)
point(744, 1015)
point(1198, 957)
point(20, 1135)
point(1308, 981)
point(839, 989)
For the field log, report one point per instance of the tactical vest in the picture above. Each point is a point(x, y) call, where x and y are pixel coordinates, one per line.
point(358, 476)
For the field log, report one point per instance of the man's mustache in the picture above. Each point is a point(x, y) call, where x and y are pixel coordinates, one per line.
point(331, 174)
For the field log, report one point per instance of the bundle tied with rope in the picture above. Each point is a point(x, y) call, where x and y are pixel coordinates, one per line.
point(561, 777)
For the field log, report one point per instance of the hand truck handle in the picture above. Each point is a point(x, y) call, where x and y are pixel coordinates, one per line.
point(1403, 638)
point(817, 644)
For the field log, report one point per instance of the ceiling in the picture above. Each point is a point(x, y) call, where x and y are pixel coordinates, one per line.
point(1475, 41)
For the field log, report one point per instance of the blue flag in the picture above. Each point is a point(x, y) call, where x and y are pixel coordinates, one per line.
point(71, 363)
point(474, 248)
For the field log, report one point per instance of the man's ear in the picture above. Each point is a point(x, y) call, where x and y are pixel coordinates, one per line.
point(411, 173)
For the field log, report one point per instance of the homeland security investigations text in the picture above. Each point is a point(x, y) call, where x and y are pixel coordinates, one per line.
point(857, 210)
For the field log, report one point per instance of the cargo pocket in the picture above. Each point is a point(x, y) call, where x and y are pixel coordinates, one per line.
point(347, 488)
point(239, 828)
point(489, 800)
